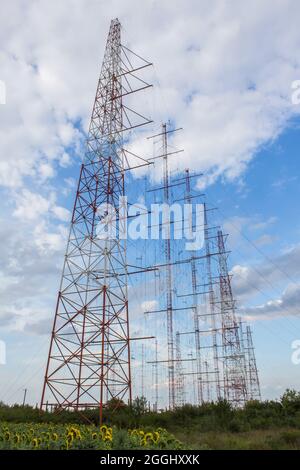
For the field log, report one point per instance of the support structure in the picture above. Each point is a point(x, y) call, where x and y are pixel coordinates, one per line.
point(169, 280)
point(180, 385)
point(217, 367)
point(235, 387)
point(207, 382)
point(252, 373)
point(212, 304)
point(155, 377)
point(195, 303)
point(89, 357)
point(143, 372)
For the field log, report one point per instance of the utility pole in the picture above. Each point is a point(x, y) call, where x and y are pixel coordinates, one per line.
point(24, 397)
point(143, 372)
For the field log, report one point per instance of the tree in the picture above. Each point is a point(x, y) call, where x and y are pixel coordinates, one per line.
point(139, 406)
point(290, 400)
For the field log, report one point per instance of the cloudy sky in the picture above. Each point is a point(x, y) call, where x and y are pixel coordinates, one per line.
point(222, 71)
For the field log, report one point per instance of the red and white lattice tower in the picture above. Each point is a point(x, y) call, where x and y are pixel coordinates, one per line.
point(89, 356)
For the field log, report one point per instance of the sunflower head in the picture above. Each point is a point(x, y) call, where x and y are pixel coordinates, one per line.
point(35, 442)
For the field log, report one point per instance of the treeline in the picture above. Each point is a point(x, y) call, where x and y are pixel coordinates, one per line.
point(219, 416)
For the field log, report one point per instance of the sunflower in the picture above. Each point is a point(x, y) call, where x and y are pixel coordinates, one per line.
point(35, 442)
point(147, 439)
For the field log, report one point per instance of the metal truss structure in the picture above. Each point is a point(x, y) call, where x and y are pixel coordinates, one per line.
point(251, 368)
point(235, 386)
point(89, 357)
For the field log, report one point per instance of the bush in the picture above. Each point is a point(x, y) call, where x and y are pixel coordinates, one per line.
point(290, 401)
point(217, 417)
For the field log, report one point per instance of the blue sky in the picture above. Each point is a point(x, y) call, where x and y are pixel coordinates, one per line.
point(268, 200)
point(233, 100)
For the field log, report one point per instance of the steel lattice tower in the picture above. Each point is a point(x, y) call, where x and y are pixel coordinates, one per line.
point(180, 383)
point(212, 302)
point(195, 302)
point(89, 356)
point(235, 386)
point(169, 279)
point(253, 380)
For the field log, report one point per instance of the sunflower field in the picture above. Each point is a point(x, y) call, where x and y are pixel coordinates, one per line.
point(73, 437)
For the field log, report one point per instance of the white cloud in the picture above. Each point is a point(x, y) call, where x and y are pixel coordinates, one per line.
point(238, 228)
point(265, 239)
point(261, 276)
point(286, 305)
point(49, 241)
point(30, 266)
point(46, 171)
point(149, 305)
point(261, 225)
point(30, 206)
point(61, 213)
point(65, 160)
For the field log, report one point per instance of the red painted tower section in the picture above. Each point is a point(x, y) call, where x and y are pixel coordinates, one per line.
point(89, 355)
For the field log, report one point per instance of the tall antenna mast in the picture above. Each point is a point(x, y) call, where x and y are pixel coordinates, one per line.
point(169, 285)
point(180, 382)
point(195, 303)
point(212, 304)
point(89, 356)
point(235, 386)
point(253, 385)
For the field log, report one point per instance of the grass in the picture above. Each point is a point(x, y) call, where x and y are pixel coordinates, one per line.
point(269, 439)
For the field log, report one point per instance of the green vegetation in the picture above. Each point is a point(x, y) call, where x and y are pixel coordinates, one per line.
point(259, 425)
point(270, 439)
